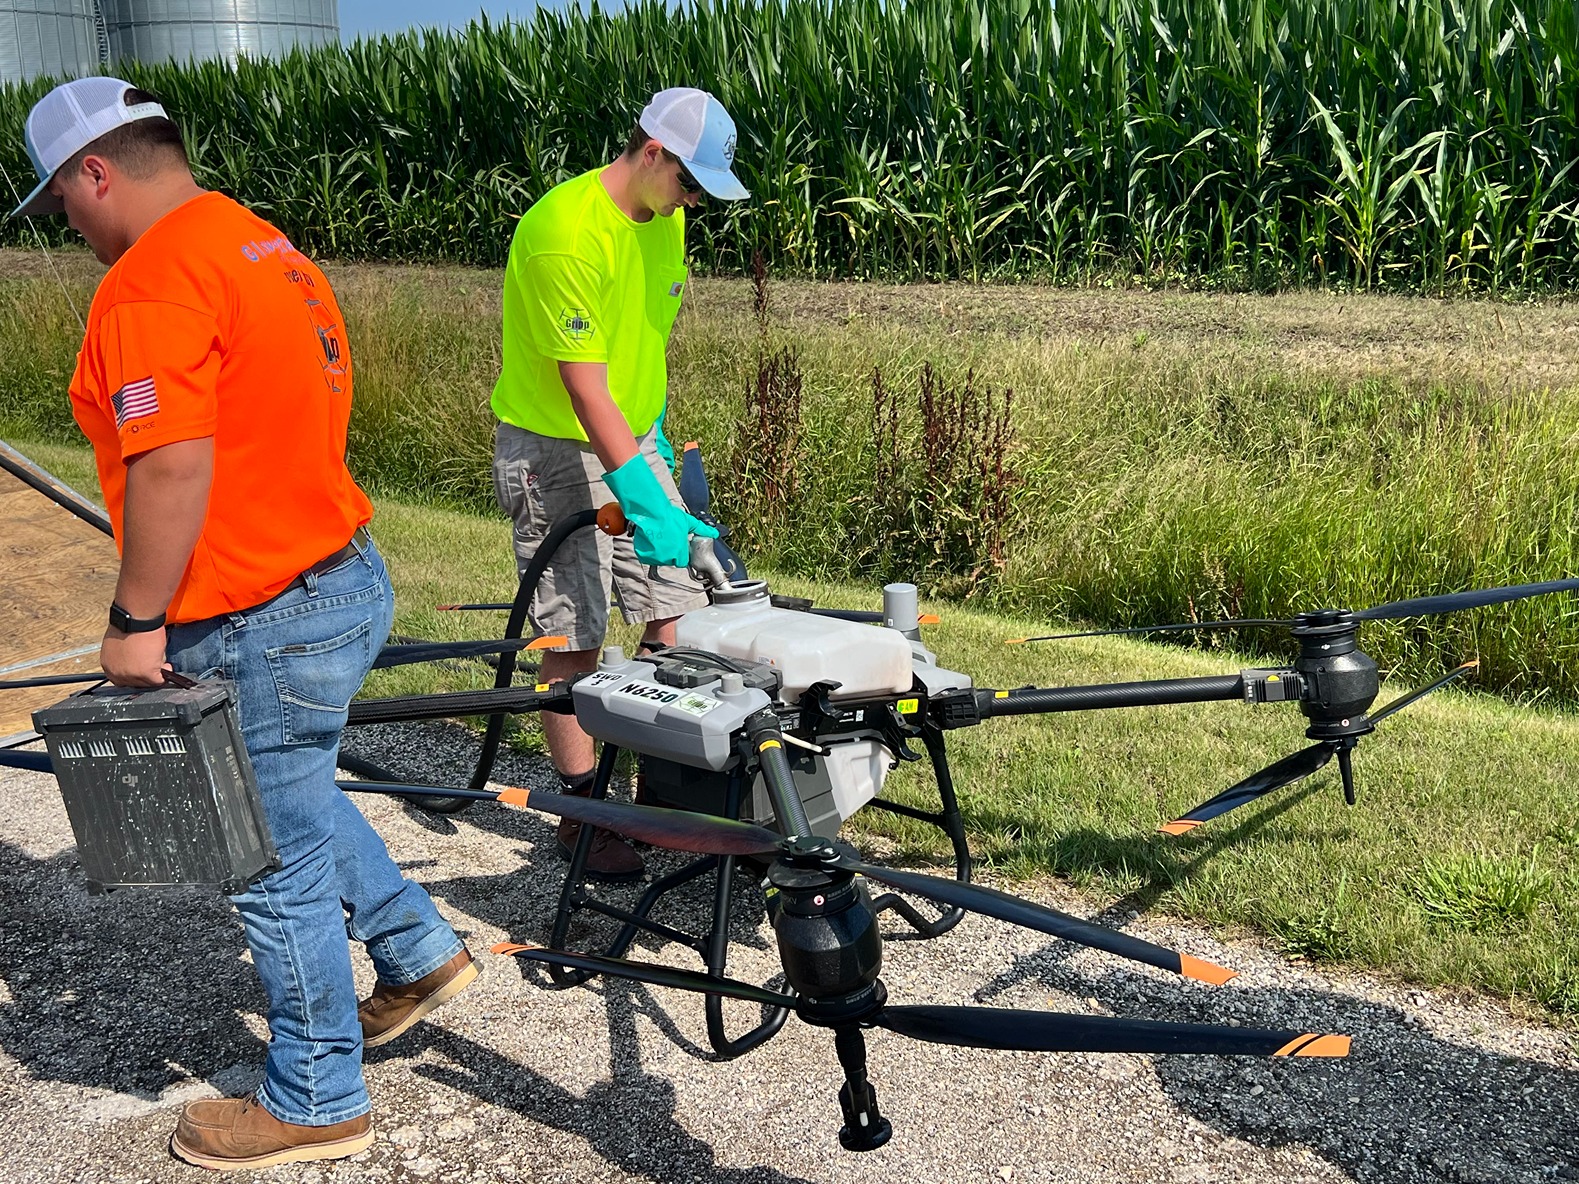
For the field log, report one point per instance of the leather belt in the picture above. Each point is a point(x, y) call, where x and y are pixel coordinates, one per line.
point(359, 541)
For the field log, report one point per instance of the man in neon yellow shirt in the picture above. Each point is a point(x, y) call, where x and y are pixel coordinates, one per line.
point(595, 278)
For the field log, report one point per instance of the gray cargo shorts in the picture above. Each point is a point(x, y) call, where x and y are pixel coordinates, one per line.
point(540, 480)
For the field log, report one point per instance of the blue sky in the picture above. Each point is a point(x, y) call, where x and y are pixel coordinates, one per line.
point(360, 17)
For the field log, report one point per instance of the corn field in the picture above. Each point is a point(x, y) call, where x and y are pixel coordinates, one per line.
point(1427, 145)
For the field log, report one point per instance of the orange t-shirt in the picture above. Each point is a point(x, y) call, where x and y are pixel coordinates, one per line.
point(213, 324)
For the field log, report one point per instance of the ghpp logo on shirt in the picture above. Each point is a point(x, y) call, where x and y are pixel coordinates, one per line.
point(135, 400)
point(255, 251)
point(575, 324)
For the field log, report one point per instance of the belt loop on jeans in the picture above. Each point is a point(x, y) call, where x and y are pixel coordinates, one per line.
point(360, 541)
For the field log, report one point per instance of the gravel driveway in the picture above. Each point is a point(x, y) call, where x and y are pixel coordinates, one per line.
point(115, 1010)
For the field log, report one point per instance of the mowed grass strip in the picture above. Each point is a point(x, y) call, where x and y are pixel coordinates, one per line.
point(1459, 866)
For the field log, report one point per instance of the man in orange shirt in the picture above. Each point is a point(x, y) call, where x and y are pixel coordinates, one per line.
point(214, 384)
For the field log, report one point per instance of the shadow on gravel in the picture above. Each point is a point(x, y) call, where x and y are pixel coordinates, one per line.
point(1406, 1105)
point(119, 992)
point(629, 1121)
point(523, 900)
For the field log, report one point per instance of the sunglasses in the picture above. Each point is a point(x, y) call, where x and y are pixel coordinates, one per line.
point(687, 182)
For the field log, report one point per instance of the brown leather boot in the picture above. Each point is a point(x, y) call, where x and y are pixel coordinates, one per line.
point(232, 1134)
point(611, 859)
point(390, 1010)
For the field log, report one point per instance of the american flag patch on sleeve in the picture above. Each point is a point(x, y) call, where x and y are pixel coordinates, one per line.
point(135, 400)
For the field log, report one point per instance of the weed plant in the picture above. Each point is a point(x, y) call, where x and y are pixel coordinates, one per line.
point(1249, 144)
point(1472, 891)
point(767, 460)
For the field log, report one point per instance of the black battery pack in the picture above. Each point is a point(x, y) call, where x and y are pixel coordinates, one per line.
point(682, 787)
point(158, 787)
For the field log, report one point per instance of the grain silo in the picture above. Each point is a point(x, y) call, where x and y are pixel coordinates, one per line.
point(179, 30)
point(55, 37)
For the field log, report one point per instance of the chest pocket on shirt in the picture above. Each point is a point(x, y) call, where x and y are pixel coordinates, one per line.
point(667, 287)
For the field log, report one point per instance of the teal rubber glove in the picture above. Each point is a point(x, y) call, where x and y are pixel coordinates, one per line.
point(661, 441)
point(663, 530)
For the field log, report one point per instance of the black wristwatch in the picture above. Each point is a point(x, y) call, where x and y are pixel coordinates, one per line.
point(126, 623)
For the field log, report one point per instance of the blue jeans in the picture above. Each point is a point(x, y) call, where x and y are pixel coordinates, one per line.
point(297, 660)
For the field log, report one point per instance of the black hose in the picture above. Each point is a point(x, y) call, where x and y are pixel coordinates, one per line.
point(541, 558)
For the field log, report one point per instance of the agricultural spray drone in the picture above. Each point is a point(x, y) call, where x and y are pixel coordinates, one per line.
point(810, 709)
point(771, 721)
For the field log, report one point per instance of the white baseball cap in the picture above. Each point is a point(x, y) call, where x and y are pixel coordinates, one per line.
point(694, 126)
point(67, 120)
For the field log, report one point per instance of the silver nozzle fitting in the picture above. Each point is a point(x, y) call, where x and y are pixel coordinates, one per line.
point(705, 565)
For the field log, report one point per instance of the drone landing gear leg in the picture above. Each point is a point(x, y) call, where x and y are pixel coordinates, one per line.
point(718, 953)
point(571, 896)
point(714, 947)
point(950, 822)
point(864, 1128)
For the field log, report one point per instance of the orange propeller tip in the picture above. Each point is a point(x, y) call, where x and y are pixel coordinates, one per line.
point(551, 642)
point(1016, 641)
point(511, 947)
point(1179, 826)
point(1203, 971)
point(690, 445)
point(1313, 1045)
point(444, 608)
point(929, 619)
point(511, 796)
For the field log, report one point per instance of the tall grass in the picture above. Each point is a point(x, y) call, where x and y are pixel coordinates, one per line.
point(1139, 478)
point(1256, 143)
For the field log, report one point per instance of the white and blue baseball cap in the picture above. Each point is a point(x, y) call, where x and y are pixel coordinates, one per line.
point(67, 120)
point(694, 126)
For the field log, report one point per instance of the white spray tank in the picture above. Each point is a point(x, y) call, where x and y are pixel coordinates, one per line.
point(808, 648)
point(805, 648)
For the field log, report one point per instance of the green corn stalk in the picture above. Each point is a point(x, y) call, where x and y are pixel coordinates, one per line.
point(1254, 142)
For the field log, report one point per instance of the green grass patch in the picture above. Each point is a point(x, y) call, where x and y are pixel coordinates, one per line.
point(1470, 891)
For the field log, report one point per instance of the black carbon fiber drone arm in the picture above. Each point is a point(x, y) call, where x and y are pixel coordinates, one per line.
point(960, 709)
point(454, 704)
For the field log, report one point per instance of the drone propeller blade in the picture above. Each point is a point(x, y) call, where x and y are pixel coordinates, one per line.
point(648, 972)
point(1403, 701)
point(676, 830)
point(1454, 602)
point(1183, 627)
point(1051, 1031)
point(992, 903)
point(1275, 776)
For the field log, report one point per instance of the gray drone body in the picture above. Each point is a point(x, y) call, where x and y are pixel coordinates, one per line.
point(687, 706)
